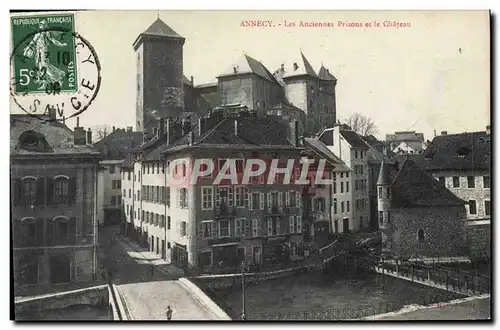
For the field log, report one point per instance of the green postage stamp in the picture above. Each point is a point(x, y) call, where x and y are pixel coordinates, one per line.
point(44, 56)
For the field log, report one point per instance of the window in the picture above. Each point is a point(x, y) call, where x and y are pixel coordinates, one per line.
point(29, 191)
point(456, 182)
point(292, 224)
point(381, 217)
point(28, 235)
point(168, 222)
point(128, 175)
point(334, 206)
point(487, 208)
point(223, 228)
point(348, 206)
point(356, 154)
point(119, 198)
point(273, 226)
point(138, 195)
point(470, 182)
point(421, 235)
point(111, 168)
point(347, 187)
point(61, 228)
point(442, 179)
point(182, 198)
point(239, 223)
point(241, 197)
point(472, 207)
point(256, 227)
point(486, 181)
point(206, 229)
point(380, 192)
point(319, 204)
point(130, 193)
point(388, 192)
point(224, 196)
point(61, 186)
point(183, 228)
point(341, 207)
point(207, 198)
point(341, 187)
point(334, 187)
point(113, 200)
point(255, 202)
point(167, 196)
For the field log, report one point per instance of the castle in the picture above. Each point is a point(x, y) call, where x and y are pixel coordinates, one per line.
point(163, 91)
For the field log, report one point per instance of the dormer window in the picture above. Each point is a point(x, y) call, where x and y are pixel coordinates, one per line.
point(462, 152)
point(28, 140)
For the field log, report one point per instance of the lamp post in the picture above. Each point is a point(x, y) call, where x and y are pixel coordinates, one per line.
point(243, 309)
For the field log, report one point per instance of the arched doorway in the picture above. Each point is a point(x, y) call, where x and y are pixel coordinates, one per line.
point(60, 269)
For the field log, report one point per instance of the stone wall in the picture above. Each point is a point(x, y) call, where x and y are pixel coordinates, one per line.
point(478, 240)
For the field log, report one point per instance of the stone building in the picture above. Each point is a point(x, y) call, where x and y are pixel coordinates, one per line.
point(418, 216)
point(328, 208)
point(53, 173)
point(207, 225)
point(163, 90)
point(114, 147)
point(462, 163)
point(349, 147)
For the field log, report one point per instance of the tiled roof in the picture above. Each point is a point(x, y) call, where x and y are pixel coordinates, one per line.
point(319, 147)
point(57, 137)
point(118, 144)
point(253, 133)
point(303, 68)
point(465, 151)
point(383, 175)
point(247, 64)
point(353, 139)
point(412, 186)
point(325, 74)
point(160, 28)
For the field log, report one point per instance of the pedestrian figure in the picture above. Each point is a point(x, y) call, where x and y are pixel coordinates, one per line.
point(169, 313)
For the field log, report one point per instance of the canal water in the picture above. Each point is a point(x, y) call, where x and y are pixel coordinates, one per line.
point(320, 296)
point(75, 312)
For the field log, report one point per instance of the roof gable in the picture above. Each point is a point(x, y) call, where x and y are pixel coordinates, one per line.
point(301, 67)
point(246, 64)
point(324, 74)
point(353, 139)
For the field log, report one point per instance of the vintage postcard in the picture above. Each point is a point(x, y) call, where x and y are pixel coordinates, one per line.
point(250, 165)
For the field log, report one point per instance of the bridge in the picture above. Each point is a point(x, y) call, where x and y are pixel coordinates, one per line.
point(149, 301)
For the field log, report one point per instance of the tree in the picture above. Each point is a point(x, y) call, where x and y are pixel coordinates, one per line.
point(99, 132)
point(362, 125)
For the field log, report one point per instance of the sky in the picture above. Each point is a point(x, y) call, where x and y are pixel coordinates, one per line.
point(433, 75)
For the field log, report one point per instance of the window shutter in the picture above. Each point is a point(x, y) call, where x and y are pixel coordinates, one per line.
point(247, 228)
point(261, 197)
point(299, 224)
point(49, 232)
point(214, 229)
point(268, 200)
point(40, 191)
point(280, 199)
point(297, 199)
point(287, 197)
point(16, 232)
point(50, 191)
point(72, 230)
point(290, 223)
point(250, 201)
point(269, 226)
point(18, 192)
point(72, 190)
point(39, 232)
point(278, 226)
point(230, 196)
point(200, 230)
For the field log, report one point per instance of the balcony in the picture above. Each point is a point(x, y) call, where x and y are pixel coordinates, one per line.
point(277, 210)
point(224, 211)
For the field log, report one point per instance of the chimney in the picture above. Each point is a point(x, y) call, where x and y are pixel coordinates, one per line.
point(186, 126)
point(236, 127)
point(190, 138)
point(52, 113)
point(114, 128)
point(79, 134)
point(161, 130)
point(192, 81)
point(282, 67)
point(129, 128)
point(488, 129)
point(444, 133)
point(89, 136)
point(201, 126)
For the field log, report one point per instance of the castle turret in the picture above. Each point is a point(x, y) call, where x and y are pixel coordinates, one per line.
point(384, 204)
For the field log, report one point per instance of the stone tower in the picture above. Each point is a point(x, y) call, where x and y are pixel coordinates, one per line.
point(159, 56)
point(384, 205)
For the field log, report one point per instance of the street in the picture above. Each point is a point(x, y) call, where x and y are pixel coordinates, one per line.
point(126, 265)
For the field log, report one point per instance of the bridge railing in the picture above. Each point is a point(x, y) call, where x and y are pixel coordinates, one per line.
point(216, 298)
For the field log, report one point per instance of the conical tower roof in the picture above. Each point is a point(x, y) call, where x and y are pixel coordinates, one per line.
point(383, 175)
point(158, 29)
